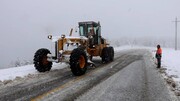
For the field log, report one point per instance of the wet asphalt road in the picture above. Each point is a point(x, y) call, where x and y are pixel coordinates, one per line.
point(136, 82)
point(132, 76)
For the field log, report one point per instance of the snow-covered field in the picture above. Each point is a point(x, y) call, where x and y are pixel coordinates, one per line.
point(170, 61)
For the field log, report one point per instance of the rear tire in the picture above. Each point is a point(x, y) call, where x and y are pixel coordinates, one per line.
point(78, 62)
point(105, 55)
point(40, 60)
point(111, 49)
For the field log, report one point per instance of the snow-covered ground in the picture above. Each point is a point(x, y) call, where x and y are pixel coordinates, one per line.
point(12, 73)
point(170, 60)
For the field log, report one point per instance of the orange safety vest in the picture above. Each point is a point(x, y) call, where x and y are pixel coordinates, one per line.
point(159, 51)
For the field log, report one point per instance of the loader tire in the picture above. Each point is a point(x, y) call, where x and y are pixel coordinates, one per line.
point(105, 55)
point(78, 62)
point(111, 52)
point(40, 60)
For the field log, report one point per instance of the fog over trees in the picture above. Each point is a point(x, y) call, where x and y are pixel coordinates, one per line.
point(144, 41)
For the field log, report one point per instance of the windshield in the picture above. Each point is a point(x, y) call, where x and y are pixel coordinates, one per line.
point(85, 29)
point(81, 31)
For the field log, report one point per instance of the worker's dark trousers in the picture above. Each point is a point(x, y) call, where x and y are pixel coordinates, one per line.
point(159, 62)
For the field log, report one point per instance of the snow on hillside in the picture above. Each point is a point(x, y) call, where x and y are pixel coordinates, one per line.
point(170, 61)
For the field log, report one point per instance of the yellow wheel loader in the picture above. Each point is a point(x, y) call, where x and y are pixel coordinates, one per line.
point(77, 51)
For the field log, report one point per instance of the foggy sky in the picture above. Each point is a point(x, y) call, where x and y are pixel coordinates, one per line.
point(25, 24)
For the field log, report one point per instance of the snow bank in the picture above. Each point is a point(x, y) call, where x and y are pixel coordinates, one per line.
point(12, 73)
point(170, 60)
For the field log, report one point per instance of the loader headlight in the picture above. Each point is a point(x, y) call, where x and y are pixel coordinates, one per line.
point(49, 36)
point(62, 36)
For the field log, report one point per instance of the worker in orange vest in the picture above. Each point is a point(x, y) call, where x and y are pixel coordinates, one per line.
point(158, 56)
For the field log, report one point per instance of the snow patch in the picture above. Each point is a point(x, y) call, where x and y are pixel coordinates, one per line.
point(20, 72)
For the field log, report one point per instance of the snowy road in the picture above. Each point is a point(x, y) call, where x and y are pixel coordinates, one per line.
point(139, 81)
point(130, 77)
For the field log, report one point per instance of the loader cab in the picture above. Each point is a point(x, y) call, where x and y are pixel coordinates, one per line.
point(89, 29)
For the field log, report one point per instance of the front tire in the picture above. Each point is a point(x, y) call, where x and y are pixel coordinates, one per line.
point(40, 60)
point(78, 62)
